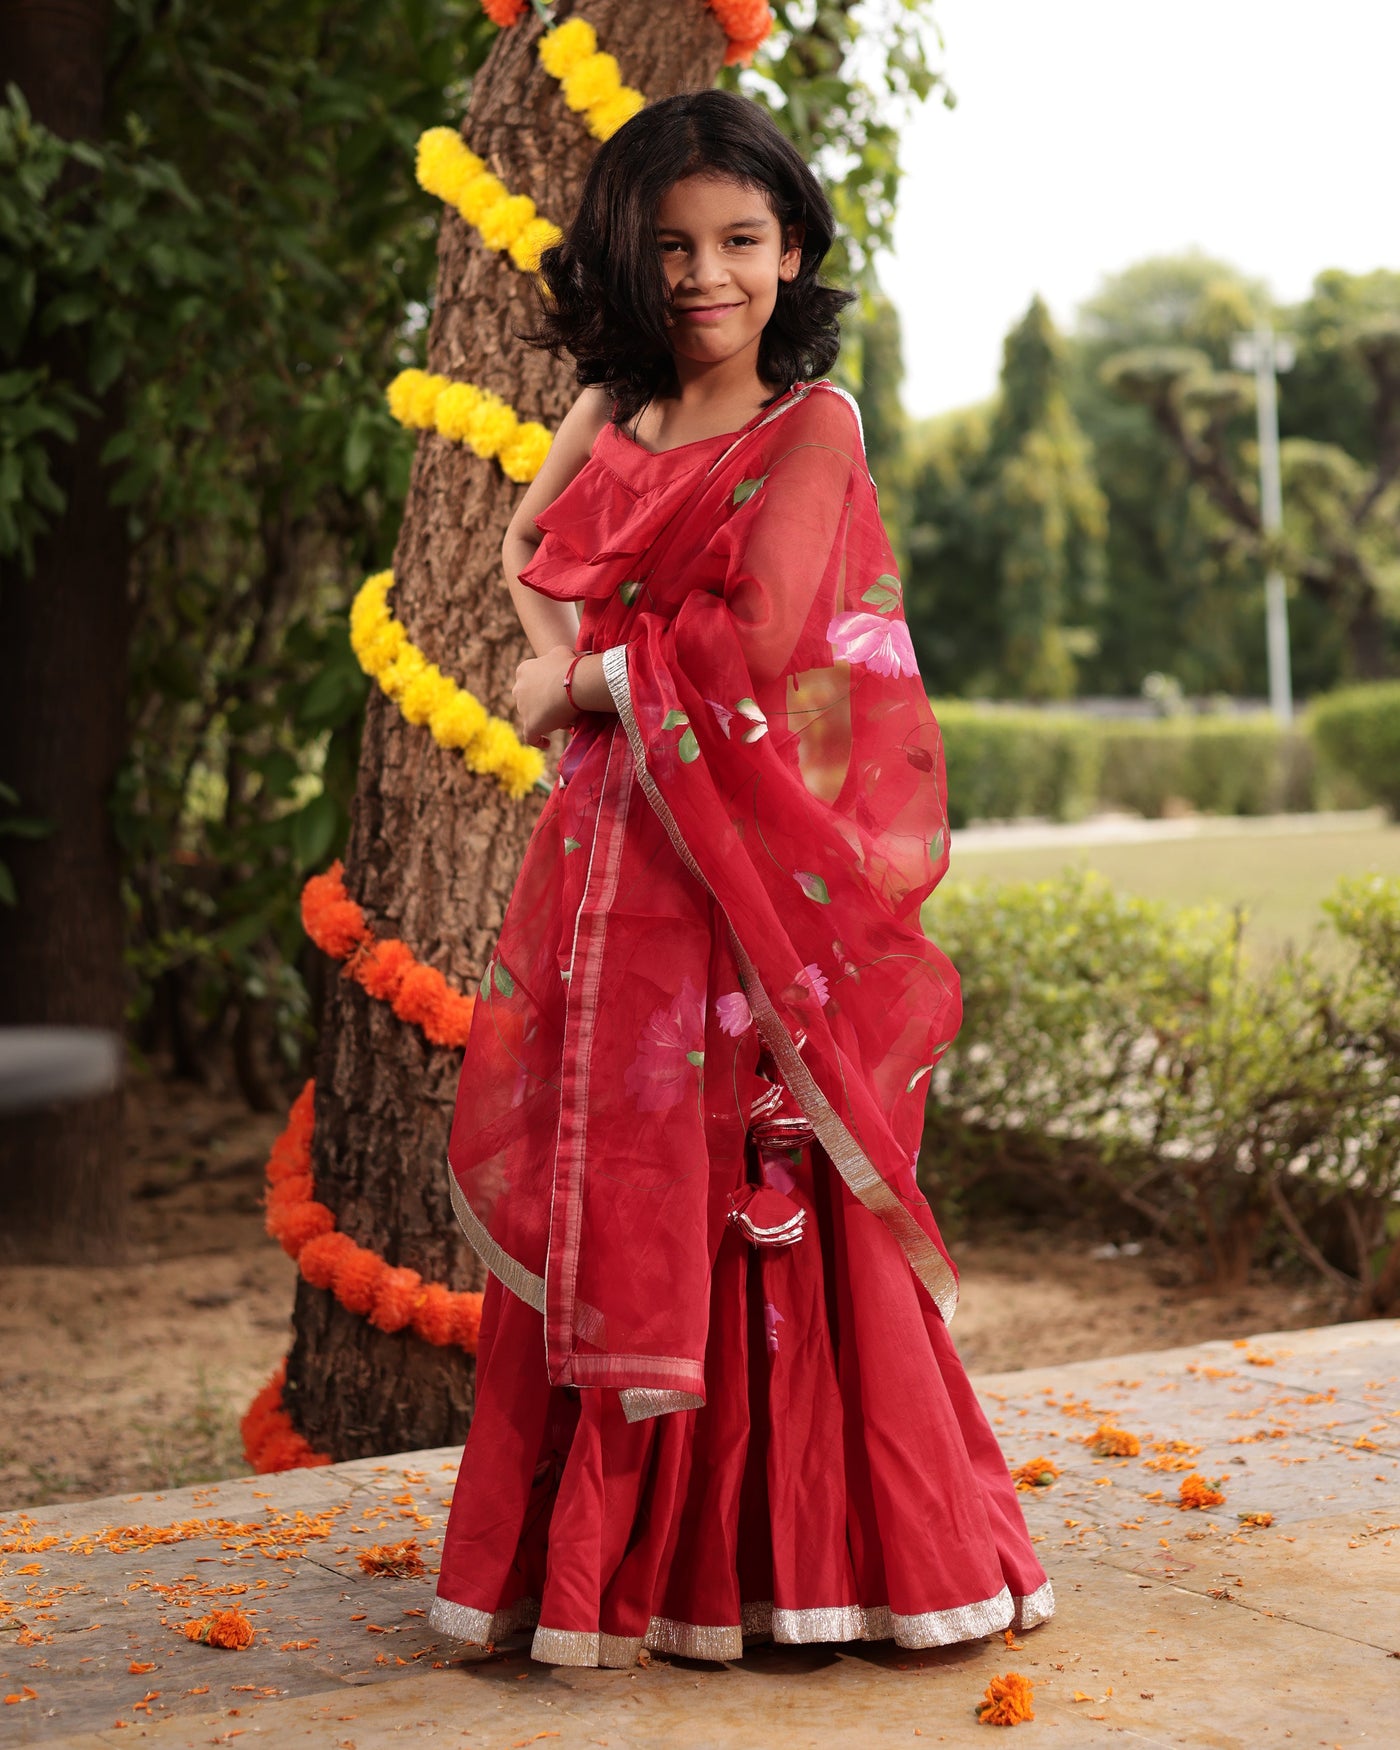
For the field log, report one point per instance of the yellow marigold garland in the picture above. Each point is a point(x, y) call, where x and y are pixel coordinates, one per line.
point(467, 414)
point(449, 169)
point(426, 695)
point(591, 82)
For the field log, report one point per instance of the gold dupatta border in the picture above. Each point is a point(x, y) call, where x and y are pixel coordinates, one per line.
point(849, 1159)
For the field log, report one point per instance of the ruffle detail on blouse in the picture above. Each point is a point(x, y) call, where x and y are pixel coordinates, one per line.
point(623, 496)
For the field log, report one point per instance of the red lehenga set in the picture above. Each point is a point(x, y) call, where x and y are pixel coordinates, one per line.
point(716, 1396)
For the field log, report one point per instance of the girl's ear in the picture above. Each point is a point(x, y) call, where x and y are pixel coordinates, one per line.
point(790, 262)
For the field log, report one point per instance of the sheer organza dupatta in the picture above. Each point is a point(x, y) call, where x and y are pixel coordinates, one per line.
point(728, 877)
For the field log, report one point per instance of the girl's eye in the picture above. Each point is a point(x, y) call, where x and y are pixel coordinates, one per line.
point(743, 239)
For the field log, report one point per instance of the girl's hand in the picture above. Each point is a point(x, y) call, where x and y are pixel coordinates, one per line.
point(539, 695)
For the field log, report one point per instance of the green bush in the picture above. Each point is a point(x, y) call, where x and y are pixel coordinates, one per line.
point(1118, 1047)
point(1357, 734)
point(1003, 762)
point(1217, 765)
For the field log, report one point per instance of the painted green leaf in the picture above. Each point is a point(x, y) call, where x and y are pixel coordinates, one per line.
point(688, 747)
point(695, 1057)
point(885, 593)
point(628, 591)
point(917, 1077)
point(674, 719)
point(503, 980)
point(570, 846)
point(935, 850)
point(745, 490)
point(812, 885)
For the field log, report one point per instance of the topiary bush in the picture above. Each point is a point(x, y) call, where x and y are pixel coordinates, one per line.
point(1356, 731)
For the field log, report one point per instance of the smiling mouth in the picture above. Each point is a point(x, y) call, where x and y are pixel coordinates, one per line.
point(705, 309)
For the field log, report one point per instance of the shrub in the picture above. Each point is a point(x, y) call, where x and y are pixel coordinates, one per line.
point(1217, 765)
point(1003, 762)
point(1357, 734)
point(1112, 1043)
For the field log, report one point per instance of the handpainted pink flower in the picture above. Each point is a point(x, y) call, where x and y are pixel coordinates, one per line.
point(873, 641)
point(772, 1318)
point(668, 1052)
point(733, 1013)
point(723, 715)
point(815, 980)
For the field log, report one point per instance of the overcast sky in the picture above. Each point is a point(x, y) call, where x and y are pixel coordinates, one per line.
point(1092, 133)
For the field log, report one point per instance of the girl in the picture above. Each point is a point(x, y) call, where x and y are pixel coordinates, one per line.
point(716, 1396)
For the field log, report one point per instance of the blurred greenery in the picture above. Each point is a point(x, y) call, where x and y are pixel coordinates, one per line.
point(1157, 429)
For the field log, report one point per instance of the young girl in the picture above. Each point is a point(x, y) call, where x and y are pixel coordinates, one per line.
point(716, 1397)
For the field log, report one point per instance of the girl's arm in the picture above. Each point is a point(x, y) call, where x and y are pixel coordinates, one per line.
point(546, 622)
point(552, 626)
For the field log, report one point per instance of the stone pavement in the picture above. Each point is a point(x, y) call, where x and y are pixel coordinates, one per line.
point(1173, 1626)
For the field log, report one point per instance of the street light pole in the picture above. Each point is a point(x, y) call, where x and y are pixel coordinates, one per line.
point(1266, 353)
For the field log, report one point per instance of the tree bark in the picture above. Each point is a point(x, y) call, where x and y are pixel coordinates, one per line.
point(434, 850)
point(62, 732)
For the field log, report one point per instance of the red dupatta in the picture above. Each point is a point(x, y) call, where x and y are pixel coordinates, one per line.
point(731, 868)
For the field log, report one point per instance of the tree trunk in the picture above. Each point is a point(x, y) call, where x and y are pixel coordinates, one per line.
point(434, 850)
point(62, 732)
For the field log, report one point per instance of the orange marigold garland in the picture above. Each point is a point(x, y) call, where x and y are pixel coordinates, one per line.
point(1007, 1701)
point(270, 1443)
point(746, 23)
point(385, 969)
point(503, 12)
point(390, 1297)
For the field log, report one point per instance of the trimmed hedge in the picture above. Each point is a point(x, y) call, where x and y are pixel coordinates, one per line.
point(1005, 761)
point(1356, 731)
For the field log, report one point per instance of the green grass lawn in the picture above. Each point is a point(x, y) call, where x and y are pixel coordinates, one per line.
point(1281, 878)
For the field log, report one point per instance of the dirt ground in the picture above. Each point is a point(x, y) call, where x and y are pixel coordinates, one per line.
point(133, 1378)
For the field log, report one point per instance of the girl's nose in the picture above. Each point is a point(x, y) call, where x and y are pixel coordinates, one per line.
point(707, 269)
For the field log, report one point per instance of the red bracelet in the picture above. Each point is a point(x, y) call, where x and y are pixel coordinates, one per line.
point(569, 679)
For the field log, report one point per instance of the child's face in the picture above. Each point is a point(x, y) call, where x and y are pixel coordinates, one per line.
point(723, 252)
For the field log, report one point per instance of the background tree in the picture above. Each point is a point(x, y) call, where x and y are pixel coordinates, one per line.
point(1341, 539)
point(1010, 526)
point(63, 619)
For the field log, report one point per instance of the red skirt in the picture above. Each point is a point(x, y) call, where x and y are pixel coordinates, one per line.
point(841, 1483)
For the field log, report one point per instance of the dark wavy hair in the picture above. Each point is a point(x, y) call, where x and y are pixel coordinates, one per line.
point(607, 291)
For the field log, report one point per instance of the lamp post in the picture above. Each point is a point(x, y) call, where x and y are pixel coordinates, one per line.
point(1266, 353)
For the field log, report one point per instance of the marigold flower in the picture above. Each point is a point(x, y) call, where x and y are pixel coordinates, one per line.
point(1195, 1491)
point(428, 691)
point(221, 1628)
point(1110, 1442)
point(531, 241)
point(401, 1561)
point(523, 457)
point(334, 922)
point(466, 1324)
point(295, 1226)
point(1007, 1701)
point(501, 224)
point(491, 425)
point(356, 1282)
point(412, 397)
point(455, 407)
point(594, 80)
point(381, 970)
point(433, 1314)
point(503, 12)
point(1259, 1519)
point(1036, 1473)
point(320, 1258)
point(393, 1303)
point(561, 49)
point(478, 194)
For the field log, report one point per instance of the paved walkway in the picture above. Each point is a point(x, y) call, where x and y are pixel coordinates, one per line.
point(1133, 829)
point(1173, 1627)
